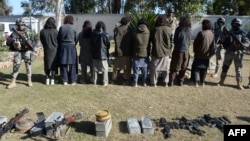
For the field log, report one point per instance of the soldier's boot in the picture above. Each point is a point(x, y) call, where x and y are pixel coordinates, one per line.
point(239, 85)
point(30, 81)
point(12, 84)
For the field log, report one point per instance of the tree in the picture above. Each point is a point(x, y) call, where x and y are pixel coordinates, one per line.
point(5, 9)
point(115, 6)
point(140, 5)
point(38, 6)
point(102, 6)
point(79, 6)
point(58, 13)
point(191, 7)
point(223, 7)
point(231, 7)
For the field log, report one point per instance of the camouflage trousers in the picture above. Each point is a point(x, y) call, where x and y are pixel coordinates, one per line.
point(220, 54)
point(237, 57)
point(17, 61)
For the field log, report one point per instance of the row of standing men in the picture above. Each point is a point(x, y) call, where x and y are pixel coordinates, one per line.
point(137, 48)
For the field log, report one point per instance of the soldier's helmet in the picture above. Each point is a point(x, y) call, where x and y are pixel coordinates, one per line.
point(19, 22)
point(236, 21)
point(221, 20)
point(170, 10)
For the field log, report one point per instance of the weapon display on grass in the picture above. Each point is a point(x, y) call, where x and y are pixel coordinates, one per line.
point(191, 125)
point(39, 127)
point(166, 128)
point(56, 128)
point(11, 124)
point(218, 122)
point(30, 47)
point(66, 120)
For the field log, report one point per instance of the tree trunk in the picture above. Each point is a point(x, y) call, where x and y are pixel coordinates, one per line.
point(58, 13)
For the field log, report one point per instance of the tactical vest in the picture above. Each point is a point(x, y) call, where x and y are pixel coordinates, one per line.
point(17, 43)
point(236, 37)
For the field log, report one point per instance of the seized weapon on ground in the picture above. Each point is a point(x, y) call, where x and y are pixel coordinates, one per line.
point(191, 125)
point(39, 127)
point(218, 122)
point(11, 124)
point(56, 128)
point(166, 128)
point(27, 42)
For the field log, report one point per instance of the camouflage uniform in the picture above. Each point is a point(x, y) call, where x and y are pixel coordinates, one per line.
point(220, 51)
point(21, 52)
point(235, 41)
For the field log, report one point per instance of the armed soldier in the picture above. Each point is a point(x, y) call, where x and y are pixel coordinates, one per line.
point(20, 43)
point(220, 52)
point(171, 20)
point(234, 42)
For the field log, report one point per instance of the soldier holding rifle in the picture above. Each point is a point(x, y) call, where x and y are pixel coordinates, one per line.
point(20, 43)
point(218, 33)
point(234, 42)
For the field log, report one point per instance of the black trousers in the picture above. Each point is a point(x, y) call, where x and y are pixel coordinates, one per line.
point(199, 68)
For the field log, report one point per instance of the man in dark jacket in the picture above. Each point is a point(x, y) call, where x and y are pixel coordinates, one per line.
point(67, 40)
point(123, 50)
point(141, 52)
point(161, 45)
point(202, 43)
point(100, 52)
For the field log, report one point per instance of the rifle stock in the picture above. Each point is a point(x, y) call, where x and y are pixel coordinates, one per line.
point(11, 124)
point(30, 47)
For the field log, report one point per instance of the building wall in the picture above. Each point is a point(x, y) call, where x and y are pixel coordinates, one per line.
point(110, 20)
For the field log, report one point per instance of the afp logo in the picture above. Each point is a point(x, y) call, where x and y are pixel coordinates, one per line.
point(236, 132)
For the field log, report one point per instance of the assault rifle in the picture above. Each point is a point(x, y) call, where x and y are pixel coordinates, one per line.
point(191, 125)
point(57, 126)
point(11, 124)
point(27, 42)
point(237, 40)
point(218, 41)
point(40, 129)
point(166, 128)
point(218, 122)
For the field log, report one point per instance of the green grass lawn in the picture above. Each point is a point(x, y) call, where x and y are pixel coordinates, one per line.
point(124, 102)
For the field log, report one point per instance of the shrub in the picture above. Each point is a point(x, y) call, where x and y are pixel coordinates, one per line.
point(135, 16)
point(4, 54)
